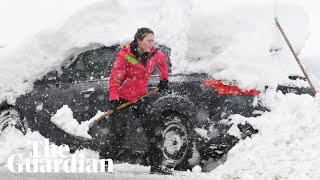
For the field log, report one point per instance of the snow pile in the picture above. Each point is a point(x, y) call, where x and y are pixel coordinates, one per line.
point(229, 40)
point(286, 146)
point(21, 19)
point(64, 120)
point(12, 141)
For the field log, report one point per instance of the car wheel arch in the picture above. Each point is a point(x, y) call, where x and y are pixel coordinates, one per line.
point(179, 105)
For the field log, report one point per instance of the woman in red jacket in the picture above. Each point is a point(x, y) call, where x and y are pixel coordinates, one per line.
point(128, 81)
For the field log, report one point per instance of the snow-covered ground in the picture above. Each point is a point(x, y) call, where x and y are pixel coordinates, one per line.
point(228, 39)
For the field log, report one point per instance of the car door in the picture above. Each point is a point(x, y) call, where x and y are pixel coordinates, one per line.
point(90, 81)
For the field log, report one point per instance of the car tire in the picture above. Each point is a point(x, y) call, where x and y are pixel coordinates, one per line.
point(11, 118)
point(176, 141)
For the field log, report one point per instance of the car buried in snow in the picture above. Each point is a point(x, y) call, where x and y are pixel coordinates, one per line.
point(194, 112)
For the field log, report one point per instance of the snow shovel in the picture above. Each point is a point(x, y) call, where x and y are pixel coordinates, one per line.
point(88, 124)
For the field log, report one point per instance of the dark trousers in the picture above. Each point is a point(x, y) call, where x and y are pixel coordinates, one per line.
point(144, 111)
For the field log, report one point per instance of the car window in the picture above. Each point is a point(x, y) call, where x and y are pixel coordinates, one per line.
point(97, 64)
point(91, 65)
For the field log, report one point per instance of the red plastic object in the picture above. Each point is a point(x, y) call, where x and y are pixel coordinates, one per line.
point(223, 89)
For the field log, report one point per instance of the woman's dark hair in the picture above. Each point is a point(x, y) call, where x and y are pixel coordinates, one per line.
point(142, 32)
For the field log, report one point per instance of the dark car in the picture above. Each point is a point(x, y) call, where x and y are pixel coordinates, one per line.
point(191, 112)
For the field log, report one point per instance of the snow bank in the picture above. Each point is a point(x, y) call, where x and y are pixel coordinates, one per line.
point(286, 146)
point(20, 19)
point(229, 40)
point(12, 141)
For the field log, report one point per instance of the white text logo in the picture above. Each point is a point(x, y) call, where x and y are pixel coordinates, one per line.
point(54, 158)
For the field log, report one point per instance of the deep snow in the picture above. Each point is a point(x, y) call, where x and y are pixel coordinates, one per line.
point(229, 40)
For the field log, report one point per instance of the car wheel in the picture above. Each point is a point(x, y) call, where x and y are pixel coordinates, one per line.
point(176, 141)
point(11, 118)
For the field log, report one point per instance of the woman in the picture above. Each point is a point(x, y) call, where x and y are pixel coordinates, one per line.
point(128, 82)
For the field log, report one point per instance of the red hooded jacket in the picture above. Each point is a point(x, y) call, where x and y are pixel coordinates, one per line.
point(129, 78)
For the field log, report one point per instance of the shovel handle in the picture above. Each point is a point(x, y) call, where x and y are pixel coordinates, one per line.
point(314, 91)
point(108, 113)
